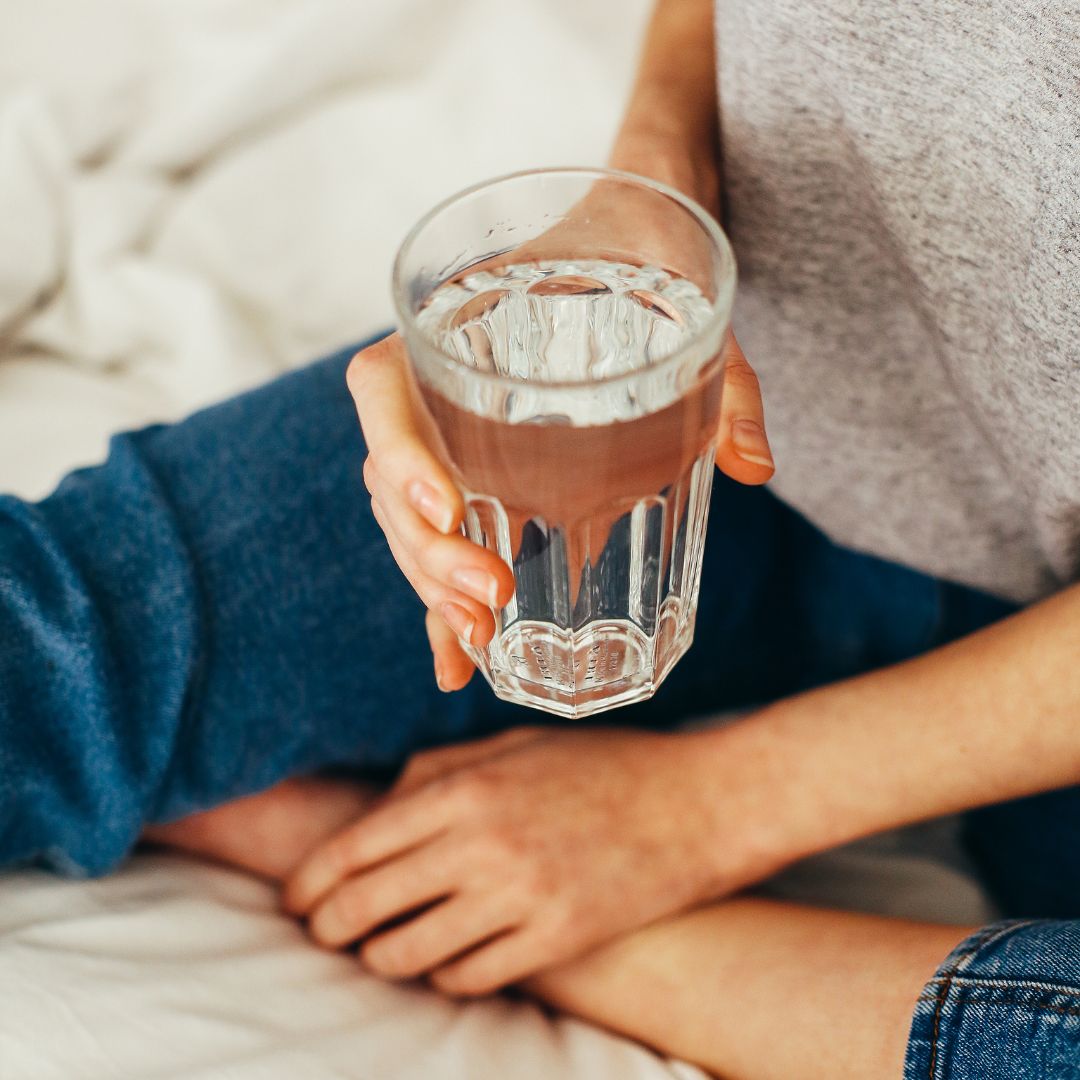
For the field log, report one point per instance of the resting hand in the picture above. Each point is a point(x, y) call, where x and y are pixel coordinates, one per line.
point(268, 833)
point(506, 856)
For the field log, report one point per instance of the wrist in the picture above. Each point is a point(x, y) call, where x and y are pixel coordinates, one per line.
point(686, 163)
point(742, 836)
point(768, 795)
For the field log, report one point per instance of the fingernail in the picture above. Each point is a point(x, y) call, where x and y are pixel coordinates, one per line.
point(429, 503)
point(459, 620)
point(440, 679)
point(750, 443)
point(479, 584)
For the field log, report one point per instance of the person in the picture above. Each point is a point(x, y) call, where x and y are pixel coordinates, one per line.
point(215, 609)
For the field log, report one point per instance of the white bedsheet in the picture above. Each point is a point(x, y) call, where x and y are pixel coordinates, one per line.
point(195, 195)
point(177, 969)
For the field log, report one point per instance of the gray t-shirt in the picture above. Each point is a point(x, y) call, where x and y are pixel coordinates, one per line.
point(903, 194)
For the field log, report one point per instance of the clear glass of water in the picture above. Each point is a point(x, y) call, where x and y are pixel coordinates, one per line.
point(566, 330)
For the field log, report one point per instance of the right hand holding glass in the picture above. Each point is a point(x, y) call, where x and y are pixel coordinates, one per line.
point(419, 509)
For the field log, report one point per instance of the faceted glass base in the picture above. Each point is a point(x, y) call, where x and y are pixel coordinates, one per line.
point(603, 609)
point(601, 666)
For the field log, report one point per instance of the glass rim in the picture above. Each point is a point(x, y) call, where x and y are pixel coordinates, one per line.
point(720, 308)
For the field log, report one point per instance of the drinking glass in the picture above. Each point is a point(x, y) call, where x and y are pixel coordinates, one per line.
point(566, 332)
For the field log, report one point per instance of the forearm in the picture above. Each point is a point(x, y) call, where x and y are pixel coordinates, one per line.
point(269, 833)
point(675, 88)
point(712, 986)
point(991, 717)
point(669, 128)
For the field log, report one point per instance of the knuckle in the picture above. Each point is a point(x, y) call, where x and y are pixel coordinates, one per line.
point(505, 846)
point(345, 853)
point(377, 513)
point(366, 363)
point(426, 552)
point(739, 373)
point(472, 790)
point(388, 960)
point(371, 473)
point(563, 924)
point(356, 374)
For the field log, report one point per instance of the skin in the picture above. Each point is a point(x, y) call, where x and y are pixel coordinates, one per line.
point(543, 860)
point(701, 986)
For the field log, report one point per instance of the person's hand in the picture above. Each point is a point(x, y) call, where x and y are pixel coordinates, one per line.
point(690, 166)
point(420, 511)
point(414, 498)
point(511, 854)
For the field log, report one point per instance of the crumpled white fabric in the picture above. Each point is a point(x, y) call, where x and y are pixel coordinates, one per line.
point(197, 195)
point(176, 969)
point(182, 970)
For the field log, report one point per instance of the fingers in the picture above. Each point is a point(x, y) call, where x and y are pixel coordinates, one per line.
point(505, 960)
point(453, 668)
point(357, 906)
point(454, 561)
point(432, 938)
point(470, 620)
point(429, 764)
point(743, 448)
point(389, 829)
point(419, 509)
point(379, 384)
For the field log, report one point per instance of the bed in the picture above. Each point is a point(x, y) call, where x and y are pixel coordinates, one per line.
point(194, 197)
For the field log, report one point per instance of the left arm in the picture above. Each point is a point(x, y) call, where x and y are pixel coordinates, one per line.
point(559, 842)
point(991, 717)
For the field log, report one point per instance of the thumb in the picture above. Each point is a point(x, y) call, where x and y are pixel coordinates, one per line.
point(742, 450)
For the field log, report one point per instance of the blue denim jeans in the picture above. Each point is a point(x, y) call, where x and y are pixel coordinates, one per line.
point(214, 609)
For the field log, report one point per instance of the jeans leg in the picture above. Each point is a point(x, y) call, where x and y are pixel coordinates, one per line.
point(1005, 1005)
point(211, 610)
point(215, 608)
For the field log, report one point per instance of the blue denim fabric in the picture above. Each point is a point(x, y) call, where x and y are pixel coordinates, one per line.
point(214, 609)
point(1005, 1004)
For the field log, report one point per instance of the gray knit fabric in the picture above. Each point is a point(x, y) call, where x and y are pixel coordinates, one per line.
point(903, 189)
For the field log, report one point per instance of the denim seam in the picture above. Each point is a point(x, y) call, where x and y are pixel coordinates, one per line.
point(963, 957)
point(1021, 1003)
point(976, 982)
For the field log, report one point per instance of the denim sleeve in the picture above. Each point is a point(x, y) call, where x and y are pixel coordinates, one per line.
point(1005, 1005)
point(205, 613)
